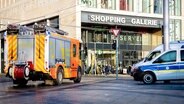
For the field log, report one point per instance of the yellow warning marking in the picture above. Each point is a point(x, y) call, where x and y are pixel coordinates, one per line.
point(12, 47)
point(40, 53)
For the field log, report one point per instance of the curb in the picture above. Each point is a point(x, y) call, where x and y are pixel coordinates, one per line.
point(126, 76)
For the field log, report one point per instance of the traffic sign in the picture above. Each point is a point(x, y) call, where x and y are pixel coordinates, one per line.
point(115, 31)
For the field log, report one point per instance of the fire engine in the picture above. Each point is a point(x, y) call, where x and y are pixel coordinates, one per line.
point(41, 53)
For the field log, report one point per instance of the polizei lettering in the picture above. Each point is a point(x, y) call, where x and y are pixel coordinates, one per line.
point(106, 19)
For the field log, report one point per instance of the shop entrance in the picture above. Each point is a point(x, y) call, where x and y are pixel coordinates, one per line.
point(130, 57)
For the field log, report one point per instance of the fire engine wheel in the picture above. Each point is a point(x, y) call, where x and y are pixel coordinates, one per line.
point(20, 82)
point(10, 69)
point(79, 76)
point(26, 73)
point(59, 78)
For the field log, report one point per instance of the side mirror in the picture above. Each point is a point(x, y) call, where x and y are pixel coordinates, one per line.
point(145, 59)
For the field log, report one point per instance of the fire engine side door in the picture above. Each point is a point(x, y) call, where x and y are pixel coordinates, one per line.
point(74, 54)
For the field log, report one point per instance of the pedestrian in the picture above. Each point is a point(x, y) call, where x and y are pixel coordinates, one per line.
point(106, 70)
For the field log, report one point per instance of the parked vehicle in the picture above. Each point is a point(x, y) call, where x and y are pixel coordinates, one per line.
point(169, 65)
point(155, 52)
point(41, 53)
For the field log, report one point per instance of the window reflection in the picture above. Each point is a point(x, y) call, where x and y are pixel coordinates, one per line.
point(146, 6)
point(158, 6)
point(168, 57)
point(175, 30)
point(182, 55)
point(108, 4)
point(175, 7)
point(126, 5)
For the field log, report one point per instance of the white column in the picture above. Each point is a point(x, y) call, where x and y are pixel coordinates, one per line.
point(98, 4)
point(139, 5)
point(78, 22)
point(135, 6)
point(117, 5)
point(152, 6)
point(166, 24)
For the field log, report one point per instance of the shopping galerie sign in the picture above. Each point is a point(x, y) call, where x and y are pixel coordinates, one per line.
point(102, 18)
point(122, 20)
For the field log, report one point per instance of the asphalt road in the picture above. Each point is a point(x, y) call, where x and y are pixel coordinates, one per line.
point(94, 90)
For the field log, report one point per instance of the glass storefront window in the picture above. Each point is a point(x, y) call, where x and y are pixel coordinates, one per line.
point(126, 5)
point(98, 37)
point(83, 36)
point(171, 7)
point(158, 6)
point(54, 22)
point(90, 36)
point(109, 38)
point(175, 7)
point(146, 6)
point(147, 39)
point(108, 4)
point(178, 7)
point(88, 3)
point(178, 29)
point(105, 37)
point(171, 30)
point(175, 30)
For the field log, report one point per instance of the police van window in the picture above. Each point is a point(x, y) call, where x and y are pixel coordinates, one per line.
point(74, 50)
point(167, 57)
point(152, 55)
point(182, 55)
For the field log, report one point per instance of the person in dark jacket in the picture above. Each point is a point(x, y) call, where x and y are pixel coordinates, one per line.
point(106, 70)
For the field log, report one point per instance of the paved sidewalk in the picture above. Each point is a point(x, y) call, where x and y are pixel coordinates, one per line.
point(3, 78)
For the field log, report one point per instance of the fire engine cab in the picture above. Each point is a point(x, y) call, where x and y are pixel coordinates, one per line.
point(41, 53)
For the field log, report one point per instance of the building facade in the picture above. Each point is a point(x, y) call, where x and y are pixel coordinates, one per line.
point(140, 22)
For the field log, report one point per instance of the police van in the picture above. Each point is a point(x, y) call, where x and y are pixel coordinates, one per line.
point(155, 52)
point(168, 65)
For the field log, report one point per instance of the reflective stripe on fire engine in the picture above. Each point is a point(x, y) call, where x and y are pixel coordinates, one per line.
point(40, 53)
point(12, 47)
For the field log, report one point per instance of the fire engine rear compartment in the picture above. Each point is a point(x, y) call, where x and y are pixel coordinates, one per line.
point(25, 49)
point(33, 49)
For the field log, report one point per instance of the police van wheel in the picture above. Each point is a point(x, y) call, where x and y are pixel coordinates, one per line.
point(148, 78)
point(59, 78)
